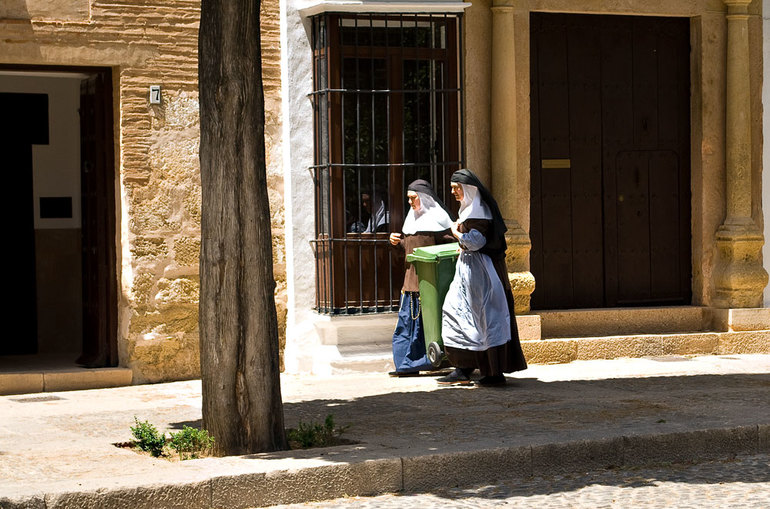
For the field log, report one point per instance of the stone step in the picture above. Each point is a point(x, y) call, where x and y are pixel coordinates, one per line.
point(377, 357)
point(370, 358)
point(62, 379)
point(574, 323)
point(563, 350)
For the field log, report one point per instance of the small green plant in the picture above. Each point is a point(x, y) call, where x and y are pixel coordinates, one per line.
point(190, 443)
point(314, 434)
point(148, 438)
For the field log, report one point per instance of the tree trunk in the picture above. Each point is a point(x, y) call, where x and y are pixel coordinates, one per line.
point(242, 405)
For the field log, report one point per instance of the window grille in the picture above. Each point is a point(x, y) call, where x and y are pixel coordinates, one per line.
point(387, 110)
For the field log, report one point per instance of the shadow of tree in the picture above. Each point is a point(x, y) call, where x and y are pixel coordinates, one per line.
point(528, 412)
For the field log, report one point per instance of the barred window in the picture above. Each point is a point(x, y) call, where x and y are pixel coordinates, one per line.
point(387, 111)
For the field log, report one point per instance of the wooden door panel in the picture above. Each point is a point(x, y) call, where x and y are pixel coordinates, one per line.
point(633, 226)
point(665, 245)
point(585, 159)
point(100, 305)
point(610, 118)
point(553, 184)
point(645, 86)
point(554, 93)
point(557, 234)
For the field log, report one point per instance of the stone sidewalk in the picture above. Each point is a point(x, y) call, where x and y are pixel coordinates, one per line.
point(56, 449)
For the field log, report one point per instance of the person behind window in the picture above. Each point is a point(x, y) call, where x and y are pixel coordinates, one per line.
point(426, 224)
point(379, 216)
point(478, 323)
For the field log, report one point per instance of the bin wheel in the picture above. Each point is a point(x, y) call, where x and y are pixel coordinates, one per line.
point(435, 354)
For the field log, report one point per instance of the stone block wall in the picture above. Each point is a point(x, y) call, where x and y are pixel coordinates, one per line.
point(152, 42)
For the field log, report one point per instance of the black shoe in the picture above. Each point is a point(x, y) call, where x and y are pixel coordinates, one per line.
point(456, 377)
point(402, 374)
point(491, 381)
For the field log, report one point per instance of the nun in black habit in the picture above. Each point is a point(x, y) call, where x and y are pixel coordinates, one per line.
point(478, 321)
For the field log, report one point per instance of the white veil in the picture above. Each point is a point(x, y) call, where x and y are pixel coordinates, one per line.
point(430, 217)
point(472, 206)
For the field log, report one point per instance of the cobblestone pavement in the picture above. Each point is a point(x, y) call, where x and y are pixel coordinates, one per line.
point(740, 483)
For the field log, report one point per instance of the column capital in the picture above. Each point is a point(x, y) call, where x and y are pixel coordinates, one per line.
point(737, 6)
point(498, 9)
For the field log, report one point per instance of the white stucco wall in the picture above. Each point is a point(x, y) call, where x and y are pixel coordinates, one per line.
point(302, 341)
point(766, 140)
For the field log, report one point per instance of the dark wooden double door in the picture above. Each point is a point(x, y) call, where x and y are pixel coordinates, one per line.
point(610, 187)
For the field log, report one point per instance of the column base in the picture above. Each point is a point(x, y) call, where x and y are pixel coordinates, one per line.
point(521, 279)
point(522, 286)
point(740, 278)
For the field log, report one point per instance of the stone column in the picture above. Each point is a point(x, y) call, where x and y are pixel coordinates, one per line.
point(504, 149)
point(740, 277)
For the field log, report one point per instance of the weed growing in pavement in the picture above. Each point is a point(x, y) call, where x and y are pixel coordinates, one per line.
point(314, 434)
point(190, 443)
point(148, 438)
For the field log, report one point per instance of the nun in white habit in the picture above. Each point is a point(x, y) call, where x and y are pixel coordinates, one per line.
point(426, 224)
point(478, 322)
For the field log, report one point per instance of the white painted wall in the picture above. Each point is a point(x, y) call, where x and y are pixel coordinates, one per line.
point(56, 166)
point(766, 139)
point(302, 339)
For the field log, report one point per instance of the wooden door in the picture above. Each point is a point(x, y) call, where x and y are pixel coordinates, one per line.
point(98, 223)
point(610, 185)
point(24, 123)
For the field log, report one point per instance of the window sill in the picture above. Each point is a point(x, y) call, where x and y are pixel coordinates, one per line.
point(365, 6)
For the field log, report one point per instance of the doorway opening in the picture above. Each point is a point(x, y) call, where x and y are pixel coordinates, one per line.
point(610, 138)
point(56, 137)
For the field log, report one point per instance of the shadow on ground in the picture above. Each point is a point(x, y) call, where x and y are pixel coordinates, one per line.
point(528, 412)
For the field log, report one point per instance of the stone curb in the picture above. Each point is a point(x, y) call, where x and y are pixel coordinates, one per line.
point(416, 474)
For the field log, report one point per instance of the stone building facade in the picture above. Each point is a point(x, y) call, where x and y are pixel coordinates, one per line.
point(634, 205)
point(622, 140)
point(149, 272)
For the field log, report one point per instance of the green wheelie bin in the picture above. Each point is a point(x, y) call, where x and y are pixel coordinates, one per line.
point(435, 267)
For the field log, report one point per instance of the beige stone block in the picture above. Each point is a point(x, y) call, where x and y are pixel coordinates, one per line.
point(178, 290)
point(529, 326)
point(142, 288)
point(646, 346)
point(465, 468)
point(181, 496)
point(187, 250)
point(550, 459)
point(689, 445)
point(695, 344)
point(149, 247)
point(764, 438)
point(86, 379)
point(164, 358)
point(744, 342)
point(630, 321)
point(33, 502)
point(170, 319)
point(297, 486)
point(734, 320)
point(549, 351)
point(20, 383)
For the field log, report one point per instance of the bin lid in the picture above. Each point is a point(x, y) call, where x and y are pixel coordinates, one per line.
point(433, 253)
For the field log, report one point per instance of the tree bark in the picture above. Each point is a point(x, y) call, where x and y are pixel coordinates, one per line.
point(242, 405)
